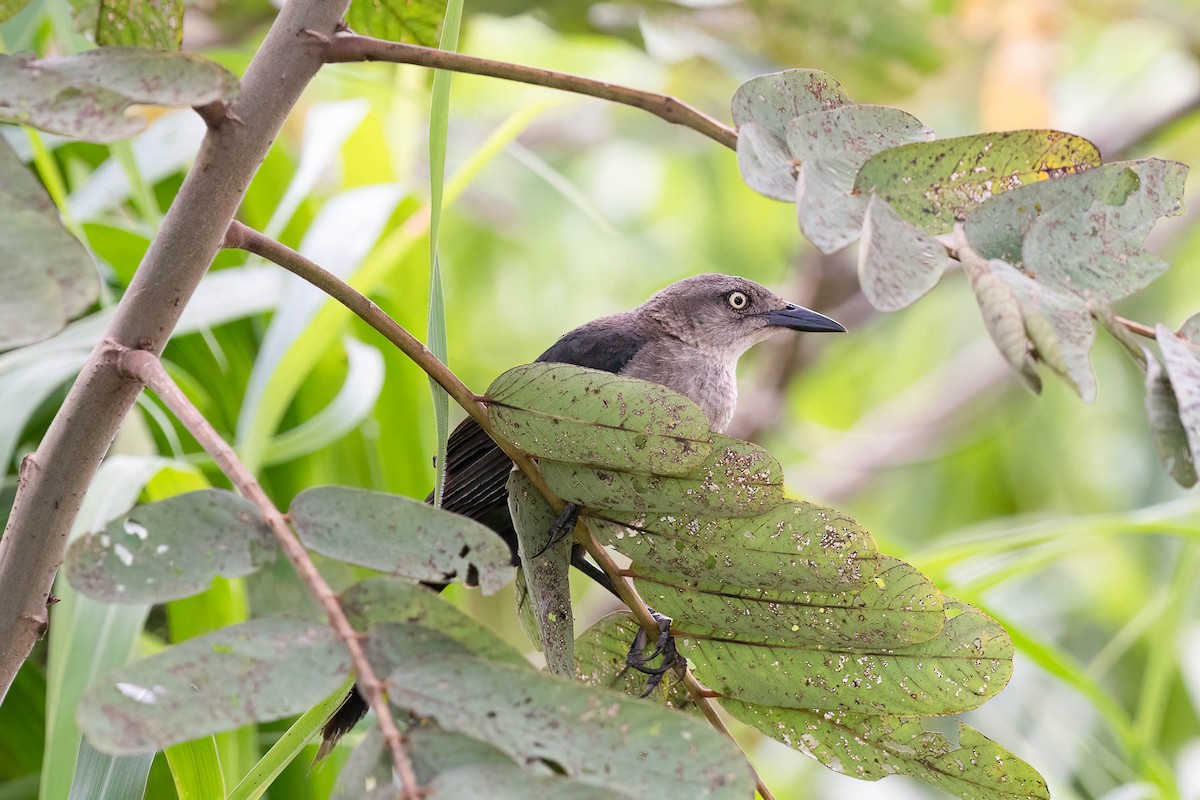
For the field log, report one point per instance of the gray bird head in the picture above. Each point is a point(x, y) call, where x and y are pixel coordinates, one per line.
point(725, 315)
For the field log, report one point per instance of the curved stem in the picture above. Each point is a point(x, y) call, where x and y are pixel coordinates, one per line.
point(349, 48)
point(145, 367)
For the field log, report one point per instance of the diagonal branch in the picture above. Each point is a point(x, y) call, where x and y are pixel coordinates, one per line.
point(347, 48)
point(241, 237)
point(145, 367)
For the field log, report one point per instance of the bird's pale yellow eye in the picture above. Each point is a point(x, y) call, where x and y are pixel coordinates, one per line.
point(737, 300)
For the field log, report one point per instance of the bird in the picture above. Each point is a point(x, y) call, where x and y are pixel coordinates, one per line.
point(687, 337)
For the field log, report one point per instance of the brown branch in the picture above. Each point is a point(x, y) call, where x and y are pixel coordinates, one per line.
point(1137, 328)
point(245, 238)
point(145, 367)
point(55, 478)
point(349, 48)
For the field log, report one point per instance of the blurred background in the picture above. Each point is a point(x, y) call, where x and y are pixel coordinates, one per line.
point(1052, 515)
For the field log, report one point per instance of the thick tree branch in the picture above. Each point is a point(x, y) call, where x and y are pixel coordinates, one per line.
point(146, 368)
point(347, 48)
point(56, 476)
point(242, 237)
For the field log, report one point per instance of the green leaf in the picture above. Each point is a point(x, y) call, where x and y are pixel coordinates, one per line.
point(196, 768)
point(1083, 233)
point(932, 184)
point(86, 95)
point(510, 782)
point(797, 546)
point(900, 606)
point(171, 549)
point(738, 479)
point(1166, 426)
point(966, 765)
point(1181, 357)
point(897, 263)
point(439, 127)
point(522, 713)
point(9, 8)
point(431, 750)
point(968, 662)
point(546, 576)
point(141, 23)
point(260, 670)
point(600, 653)
point(831, 147)
point(586, 416)
point(412, 21)
point(765, 163)
point(1030, 322)
point(256, 782)
point(387, 601)
point(103, 777)
point(762, 108)
point(401, 536)
point(47, 274)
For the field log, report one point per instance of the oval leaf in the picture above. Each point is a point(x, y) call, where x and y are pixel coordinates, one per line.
point(762, 108)
point(897, 263)
point(86, 95)
point(831, 147)
point(171, 549)
point(738, 479)
point(932, 184)
point(522, 713)
point(1083, 233)
point(510, 782)
point(258, 671)
point(587, 416)
point(47, 274)
point(1166, 427)
point(796, 546)
point(399, 535)
point(1182, 361)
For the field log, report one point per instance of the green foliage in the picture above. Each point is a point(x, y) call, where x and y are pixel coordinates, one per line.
point(412, 21)
point(399, 535)
point(171, 549)
point(932, 184)
point(140, 23)
point(86, 95)
point(1102, 706)
point(599, 419)
point(37, 302)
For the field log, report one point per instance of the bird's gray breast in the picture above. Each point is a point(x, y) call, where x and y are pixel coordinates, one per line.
point(709, 382)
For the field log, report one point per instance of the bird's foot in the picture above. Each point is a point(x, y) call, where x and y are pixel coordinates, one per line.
point(562, 527)
point(664, 646)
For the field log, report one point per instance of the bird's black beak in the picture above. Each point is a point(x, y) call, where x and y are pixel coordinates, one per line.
point(798, 318)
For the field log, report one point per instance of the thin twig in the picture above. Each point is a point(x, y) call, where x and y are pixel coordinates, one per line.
point(245, 238)
point(351, 47)
point(146, 368)
point(1137, 328)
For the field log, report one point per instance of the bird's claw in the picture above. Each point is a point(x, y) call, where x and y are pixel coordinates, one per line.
point(664, 646)
point(562, 527)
